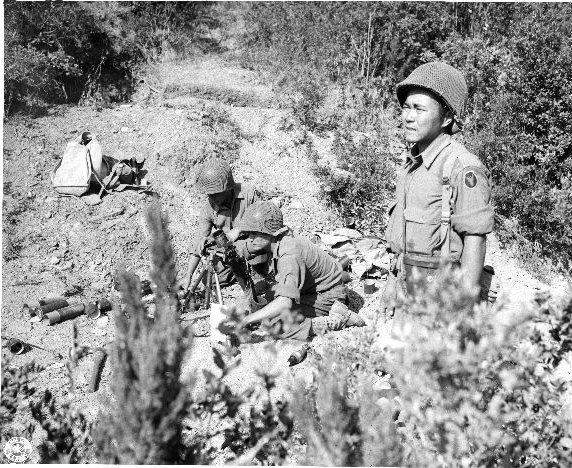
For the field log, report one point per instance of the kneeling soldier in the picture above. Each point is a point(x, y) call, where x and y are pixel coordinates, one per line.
point(226, 203)
point(308, 280)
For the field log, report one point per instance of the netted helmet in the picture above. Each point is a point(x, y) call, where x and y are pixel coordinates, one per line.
point(263, 216)
point(443, 80)
point(214, 176)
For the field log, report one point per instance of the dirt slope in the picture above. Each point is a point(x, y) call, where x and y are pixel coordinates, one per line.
point(60, 245)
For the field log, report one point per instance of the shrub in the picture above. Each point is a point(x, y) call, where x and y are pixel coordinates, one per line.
point(220, 137)
point(68, 433)
point(466, 384)
point(17, 388)
point(364, 181)
point(517, 60)
point(153, 418)
point(144, 424)
point(60, 52)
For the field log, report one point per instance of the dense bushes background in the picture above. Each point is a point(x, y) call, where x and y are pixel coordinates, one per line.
point(517, 59)
point(57, 52)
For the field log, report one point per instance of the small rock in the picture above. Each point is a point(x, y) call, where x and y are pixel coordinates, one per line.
point(48, 215)
point(66, 266)
point(54, 260)
point(56, 365)
point(125, 129)
point(102, 321)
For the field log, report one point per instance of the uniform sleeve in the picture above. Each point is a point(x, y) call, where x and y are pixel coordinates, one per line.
point(205, 226)
point(394, 230)
point(290, 277)
point(473, 212)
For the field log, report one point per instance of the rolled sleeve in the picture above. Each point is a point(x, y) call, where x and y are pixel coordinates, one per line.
point(205, 227)
point(290, 277)
point(473, 213)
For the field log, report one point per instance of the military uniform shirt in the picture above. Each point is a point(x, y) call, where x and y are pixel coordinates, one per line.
point(418, 200)
point(303, 268)
point(211, 218)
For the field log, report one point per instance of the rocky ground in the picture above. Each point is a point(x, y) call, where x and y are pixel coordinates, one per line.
point(58, 245)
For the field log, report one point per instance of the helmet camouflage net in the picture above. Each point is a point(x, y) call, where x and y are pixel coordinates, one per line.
point(443, 80)
point(214, 176)
point(264, 217)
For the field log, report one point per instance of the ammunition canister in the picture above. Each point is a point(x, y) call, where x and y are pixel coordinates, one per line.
point(51, 300)
point(298, 356)
point(67, 313)
point(99, 362)
point(92, 311)
point(55, 305)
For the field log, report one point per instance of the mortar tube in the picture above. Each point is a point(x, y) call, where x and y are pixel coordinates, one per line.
point(61, 315)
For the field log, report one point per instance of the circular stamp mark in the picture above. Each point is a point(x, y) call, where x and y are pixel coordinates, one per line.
point(18, 449)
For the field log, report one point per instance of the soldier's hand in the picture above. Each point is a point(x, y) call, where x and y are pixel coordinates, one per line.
point(390, 296)
point(204, 243)
point(182, 283)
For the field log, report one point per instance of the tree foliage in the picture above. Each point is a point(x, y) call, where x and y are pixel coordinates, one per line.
point(56, 52)
point(517, 59)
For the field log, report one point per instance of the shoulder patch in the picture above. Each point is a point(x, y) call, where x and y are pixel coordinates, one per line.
point(470, 179)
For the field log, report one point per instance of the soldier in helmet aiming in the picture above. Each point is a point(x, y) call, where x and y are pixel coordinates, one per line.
point(225, 205)
point(308, 280)
point(442, 211)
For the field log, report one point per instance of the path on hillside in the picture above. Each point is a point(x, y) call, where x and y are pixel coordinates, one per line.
point(55, 245)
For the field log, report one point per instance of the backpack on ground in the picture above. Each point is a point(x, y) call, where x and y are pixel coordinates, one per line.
point(125, 173)
point(81, 164)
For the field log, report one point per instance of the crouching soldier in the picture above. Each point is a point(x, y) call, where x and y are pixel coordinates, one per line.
point(308, 281)
point(225, 205)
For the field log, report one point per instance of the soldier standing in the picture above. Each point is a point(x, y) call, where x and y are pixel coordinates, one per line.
point(442, 211)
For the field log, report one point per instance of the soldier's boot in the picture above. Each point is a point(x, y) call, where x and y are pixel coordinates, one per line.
point(340, 317)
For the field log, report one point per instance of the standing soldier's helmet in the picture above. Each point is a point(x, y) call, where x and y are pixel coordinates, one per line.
point(214, 176)
point(264, 217)
point(443, 80)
